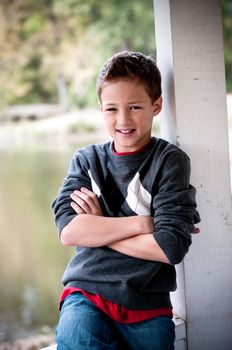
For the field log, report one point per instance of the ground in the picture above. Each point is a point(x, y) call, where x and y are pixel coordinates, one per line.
point(31, 343)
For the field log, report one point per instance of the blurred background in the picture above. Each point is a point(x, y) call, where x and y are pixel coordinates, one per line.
point(50, 54)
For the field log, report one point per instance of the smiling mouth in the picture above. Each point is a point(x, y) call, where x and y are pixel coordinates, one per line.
point(125, 131)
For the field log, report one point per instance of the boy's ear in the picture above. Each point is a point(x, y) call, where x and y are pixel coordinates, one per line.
point(157, 106)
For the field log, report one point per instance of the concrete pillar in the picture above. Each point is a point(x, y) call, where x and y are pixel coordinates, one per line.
point(190, 55)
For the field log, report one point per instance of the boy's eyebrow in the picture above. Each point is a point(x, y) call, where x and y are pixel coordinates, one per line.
point(130, 102)
point(136, 101)
point(109, 104)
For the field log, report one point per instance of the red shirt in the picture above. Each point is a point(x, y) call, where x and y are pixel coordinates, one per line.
point(117, 312)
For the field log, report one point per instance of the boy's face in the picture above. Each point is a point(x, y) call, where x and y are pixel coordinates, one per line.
point(128, 113)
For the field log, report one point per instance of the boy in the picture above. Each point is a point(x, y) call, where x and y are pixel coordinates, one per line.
point(128, 207)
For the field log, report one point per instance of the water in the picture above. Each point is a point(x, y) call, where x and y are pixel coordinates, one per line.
point(32, 260)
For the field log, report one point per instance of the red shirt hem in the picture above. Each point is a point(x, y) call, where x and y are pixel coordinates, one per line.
point(115, 311)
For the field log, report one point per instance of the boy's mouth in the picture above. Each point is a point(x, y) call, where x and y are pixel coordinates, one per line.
point(125, 131)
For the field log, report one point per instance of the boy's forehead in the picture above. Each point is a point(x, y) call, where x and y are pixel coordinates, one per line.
point(123, 87)
point(128, 80)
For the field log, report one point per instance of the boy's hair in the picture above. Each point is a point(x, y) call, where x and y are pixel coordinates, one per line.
point(131, 66)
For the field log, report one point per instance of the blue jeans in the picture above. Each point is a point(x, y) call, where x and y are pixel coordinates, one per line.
point(82, 326)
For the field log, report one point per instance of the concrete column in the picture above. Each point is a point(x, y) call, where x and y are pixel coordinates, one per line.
point(168, 116)
point(190, 55)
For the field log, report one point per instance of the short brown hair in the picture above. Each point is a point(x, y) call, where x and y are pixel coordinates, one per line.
point(132, 65)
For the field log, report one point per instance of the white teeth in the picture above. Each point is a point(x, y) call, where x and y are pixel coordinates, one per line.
point(125, 131)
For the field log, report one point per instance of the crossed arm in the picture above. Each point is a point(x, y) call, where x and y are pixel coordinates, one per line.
point(131, 235)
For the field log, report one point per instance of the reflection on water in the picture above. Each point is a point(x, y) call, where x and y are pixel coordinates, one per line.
point(32, 260)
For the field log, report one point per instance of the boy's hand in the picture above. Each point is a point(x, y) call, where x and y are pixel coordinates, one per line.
point(196, 230)
point(85, 202)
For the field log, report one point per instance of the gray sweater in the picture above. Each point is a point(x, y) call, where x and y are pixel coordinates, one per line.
point(152, 182)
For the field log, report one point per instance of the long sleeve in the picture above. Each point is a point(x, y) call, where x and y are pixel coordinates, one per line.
point(76, 178)
point(175, 207)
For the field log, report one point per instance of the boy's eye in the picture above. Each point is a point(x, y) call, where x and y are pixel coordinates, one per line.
point(111, 109)
point(135, 107)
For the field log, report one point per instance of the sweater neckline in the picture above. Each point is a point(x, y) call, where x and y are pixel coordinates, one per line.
point(131, 156)
point(123, 154)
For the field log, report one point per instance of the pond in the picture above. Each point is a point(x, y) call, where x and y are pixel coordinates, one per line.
point(32, 259)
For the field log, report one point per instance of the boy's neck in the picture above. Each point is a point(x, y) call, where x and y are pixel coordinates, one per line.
point(130, 152)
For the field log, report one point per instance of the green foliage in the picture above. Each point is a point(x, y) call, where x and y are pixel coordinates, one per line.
point(227, 30)
point(32, 25)
point(119, 29)
point(53, 37)
point(42, 40)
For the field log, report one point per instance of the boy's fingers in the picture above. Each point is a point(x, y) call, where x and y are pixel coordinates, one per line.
point(88, 196)
point(81, 201)
point(88, 192)
point(196, 230)
point(78, 194)
point(87, 201)
point(77, 209)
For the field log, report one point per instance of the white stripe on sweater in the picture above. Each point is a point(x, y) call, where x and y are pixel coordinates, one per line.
point(138, 198)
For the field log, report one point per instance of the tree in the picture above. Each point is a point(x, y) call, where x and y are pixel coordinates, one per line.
point(53, 47)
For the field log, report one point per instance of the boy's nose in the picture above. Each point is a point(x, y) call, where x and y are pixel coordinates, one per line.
point(123, 117)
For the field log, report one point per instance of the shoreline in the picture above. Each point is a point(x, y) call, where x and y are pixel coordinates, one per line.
point(58, 132)
point(65, 131)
